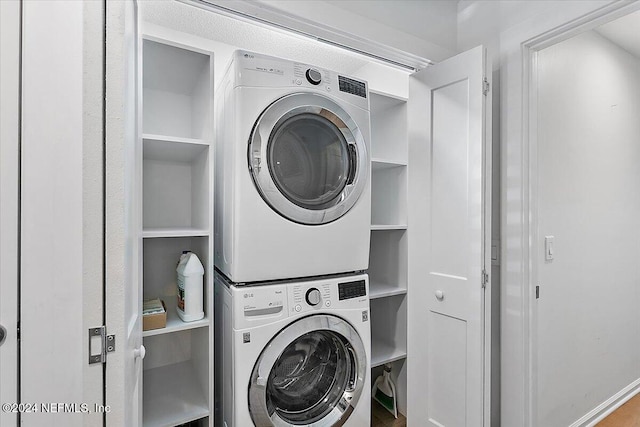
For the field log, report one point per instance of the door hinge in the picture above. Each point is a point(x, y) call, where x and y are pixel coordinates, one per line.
point(107, 344)
point(485, 86)
point(485, 278)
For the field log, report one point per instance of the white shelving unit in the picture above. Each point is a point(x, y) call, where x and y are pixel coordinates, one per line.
point(177, 211)
point(388, 255)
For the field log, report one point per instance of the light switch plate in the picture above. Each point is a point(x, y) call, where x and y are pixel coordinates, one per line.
point(549, 248)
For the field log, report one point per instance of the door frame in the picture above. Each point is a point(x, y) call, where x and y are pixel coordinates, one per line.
point(531, 251)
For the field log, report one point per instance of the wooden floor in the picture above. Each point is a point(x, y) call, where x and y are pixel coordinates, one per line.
point(628, 415)
point(380, 417)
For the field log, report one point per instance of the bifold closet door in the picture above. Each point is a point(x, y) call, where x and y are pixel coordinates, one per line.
point(449, 209)
point(123, 214)
point(61, 231)
point(9, 186)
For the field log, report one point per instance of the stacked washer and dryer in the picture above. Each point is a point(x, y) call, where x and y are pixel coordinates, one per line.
point(292, 226)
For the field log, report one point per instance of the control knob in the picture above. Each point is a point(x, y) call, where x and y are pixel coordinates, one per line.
point(313, 297)
point(314, 76)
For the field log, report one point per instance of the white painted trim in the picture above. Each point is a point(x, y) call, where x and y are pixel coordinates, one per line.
point(601, 411)
point(529, 51)
point(486, 236)
point(280, 18)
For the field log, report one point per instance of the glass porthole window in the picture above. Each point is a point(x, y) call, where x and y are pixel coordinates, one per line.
point(308, 159)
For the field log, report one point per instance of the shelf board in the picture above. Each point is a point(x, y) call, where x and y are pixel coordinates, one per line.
point(172, 395)
point(386, 227)
point(382, 290)
point(382, 353)
point(386, 99)
point(173, 139)
point(379, 164)
point(174, 323)
point(152, 233)
point(171, 148)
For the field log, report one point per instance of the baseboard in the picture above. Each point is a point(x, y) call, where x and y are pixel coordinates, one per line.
point(608, 406)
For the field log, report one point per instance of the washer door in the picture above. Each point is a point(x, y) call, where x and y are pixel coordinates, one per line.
point(308, 158)
point(310, 374)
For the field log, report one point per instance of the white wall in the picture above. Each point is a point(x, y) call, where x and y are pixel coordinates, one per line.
point(504, 26)
point(589, 200)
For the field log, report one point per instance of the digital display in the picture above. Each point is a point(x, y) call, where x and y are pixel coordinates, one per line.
point(351, 86)
point(350, 290)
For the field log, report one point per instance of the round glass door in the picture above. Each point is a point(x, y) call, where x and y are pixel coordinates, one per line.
point(311, 378)
point(308, 159)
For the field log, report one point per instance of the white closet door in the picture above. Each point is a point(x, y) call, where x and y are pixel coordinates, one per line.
point(9, 146)
point(61, 265)
point(449, 216)
point(123, 215)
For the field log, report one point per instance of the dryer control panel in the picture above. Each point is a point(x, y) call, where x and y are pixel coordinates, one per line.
point(256, 70)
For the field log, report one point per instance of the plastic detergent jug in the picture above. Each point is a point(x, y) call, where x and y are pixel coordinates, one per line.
point(190, 293)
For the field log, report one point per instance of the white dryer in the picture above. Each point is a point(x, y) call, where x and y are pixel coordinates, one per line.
point(292, 187)
point(293, 354)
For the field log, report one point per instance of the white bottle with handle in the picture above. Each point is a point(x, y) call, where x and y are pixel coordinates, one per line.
point(190, 287)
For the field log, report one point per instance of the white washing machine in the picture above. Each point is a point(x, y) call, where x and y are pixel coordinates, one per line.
point(292, 187)
point(293, 354)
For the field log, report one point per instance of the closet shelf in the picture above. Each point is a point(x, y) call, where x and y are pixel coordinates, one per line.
point(174, 139)
point(172, 149)
point(386, 227)
point(163, 232)
point(383, 290)
point(382, 353)
point(390, 98)
point(172, 396)
point(378, 163)
point(174, 322)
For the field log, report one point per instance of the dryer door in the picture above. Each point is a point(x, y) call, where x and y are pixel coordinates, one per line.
point(308, 158)
point(310, 374)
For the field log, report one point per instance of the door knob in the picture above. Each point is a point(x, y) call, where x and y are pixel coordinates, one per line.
point(139, 353)
point(439, 295)
point(3, 334)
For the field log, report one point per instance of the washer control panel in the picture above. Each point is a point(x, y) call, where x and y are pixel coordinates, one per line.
point(305, 297)
point(330, 293)
point(313, 296)
point(354, 289)
point(313, 76)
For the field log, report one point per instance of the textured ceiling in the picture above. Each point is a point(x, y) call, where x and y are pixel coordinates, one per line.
point(430, 20)
point(228, 34)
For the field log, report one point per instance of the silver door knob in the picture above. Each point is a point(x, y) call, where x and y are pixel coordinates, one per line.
point(439, 295)
point(139, 353)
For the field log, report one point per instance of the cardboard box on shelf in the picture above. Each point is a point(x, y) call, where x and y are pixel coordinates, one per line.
point(154, 314)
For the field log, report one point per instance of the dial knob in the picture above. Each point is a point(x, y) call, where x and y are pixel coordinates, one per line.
point(314, 76)
point(313, 296)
